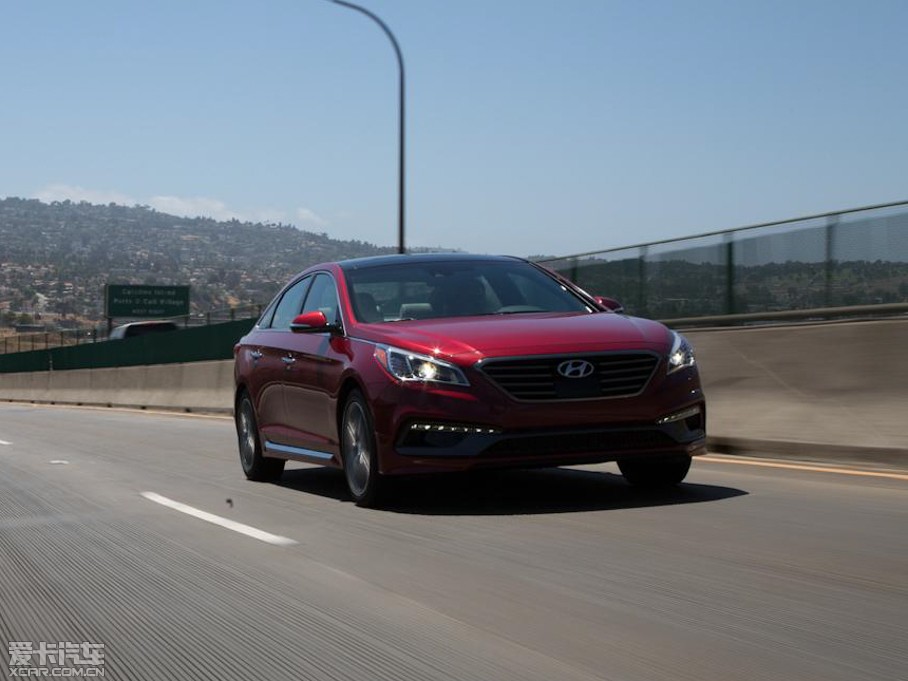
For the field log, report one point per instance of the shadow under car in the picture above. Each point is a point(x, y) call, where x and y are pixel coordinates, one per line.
point(510, 492)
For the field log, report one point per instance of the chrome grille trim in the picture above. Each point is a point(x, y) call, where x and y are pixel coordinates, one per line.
point(617, 374)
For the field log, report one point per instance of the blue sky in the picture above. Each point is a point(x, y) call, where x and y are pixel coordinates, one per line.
point(533, 127)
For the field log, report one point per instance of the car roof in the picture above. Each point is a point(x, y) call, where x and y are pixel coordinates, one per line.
point(153, 322)
point(381, 260)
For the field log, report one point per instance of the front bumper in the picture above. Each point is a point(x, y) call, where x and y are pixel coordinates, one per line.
point(422, 430)
point(460, 446)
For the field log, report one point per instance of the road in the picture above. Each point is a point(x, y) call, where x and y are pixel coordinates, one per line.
point(745, 572)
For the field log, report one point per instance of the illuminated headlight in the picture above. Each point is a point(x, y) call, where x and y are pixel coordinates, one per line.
point(681, 354)
point(409, 366)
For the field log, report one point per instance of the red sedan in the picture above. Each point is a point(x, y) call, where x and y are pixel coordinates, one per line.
point(407, 364)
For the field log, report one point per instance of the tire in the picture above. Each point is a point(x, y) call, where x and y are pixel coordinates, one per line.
point(359, 451)
point(255, 465)
point(656, 471)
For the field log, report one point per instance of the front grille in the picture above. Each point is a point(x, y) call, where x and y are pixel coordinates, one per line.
point(536, 378)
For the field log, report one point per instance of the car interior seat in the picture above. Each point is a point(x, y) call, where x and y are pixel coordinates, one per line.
point(460, 295)
point(367, 309)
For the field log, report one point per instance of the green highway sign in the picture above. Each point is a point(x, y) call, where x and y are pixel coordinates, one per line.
point(146, 301)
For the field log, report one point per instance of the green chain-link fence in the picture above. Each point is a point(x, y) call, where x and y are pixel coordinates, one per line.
point(850, 258)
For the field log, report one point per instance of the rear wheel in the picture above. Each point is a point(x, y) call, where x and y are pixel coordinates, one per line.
point(656, 471)
point(359, 451)
point(255, 465)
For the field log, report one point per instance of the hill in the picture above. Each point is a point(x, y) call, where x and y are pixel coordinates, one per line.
point(56, 258)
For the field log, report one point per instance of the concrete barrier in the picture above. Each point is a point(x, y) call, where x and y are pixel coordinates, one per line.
point(196, 386)
point(808, 390)
point(800, 390)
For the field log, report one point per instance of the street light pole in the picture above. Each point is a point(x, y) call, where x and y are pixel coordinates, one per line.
point(400, 177)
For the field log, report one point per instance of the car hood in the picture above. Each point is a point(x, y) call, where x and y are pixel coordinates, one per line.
point(470, 339)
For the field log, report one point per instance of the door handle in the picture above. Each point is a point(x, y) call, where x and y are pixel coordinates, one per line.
point(288, 360)
point(256, 354)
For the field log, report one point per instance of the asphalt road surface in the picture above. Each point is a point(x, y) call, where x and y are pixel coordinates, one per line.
point(745, 572)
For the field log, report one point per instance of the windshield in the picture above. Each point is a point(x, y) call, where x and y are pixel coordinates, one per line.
point(431, 290)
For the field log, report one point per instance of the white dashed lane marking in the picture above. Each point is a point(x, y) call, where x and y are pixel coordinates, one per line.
point(253, 532)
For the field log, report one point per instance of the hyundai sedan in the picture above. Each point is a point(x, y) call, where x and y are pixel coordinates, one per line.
point(409, 364)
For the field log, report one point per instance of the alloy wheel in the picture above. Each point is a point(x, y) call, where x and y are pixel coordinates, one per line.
point(357, 448)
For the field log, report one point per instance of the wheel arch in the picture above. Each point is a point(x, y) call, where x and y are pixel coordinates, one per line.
point(238, 392)
point(350, 384)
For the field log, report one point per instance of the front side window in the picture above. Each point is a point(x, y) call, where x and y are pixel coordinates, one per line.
point(323, 298)
point(290, 305)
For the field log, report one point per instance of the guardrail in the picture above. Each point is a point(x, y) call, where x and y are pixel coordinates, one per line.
point(818, 314)
point(214, 341)
point(45, 340)
point(842, 259)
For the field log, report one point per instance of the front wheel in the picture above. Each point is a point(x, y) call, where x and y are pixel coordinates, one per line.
point(655, 471)
point(359, 452)
point(255, 465)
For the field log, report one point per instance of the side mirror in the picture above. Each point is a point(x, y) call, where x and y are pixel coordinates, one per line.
point(609, 304)
point(310, 322)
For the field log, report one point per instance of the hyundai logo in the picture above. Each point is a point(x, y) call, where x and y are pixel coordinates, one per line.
point(576, 368)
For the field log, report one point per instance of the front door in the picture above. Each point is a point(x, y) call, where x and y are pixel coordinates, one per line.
point(313, 374)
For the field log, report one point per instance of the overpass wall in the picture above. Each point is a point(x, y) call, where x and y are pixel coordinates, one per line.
point(789, 388)
point(779, 389)
point(191, 386)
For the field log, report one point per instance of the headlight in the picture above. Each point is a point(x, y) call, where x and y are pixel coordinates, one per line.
point(681, 354)
point(410, 366)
